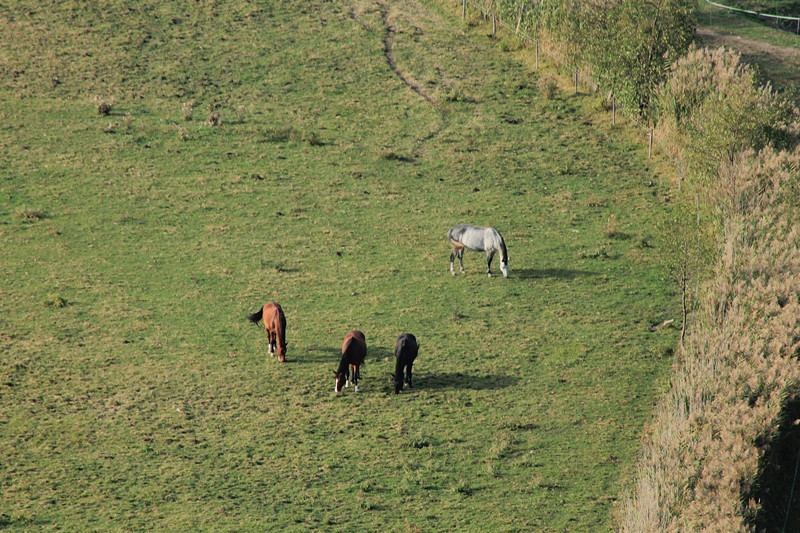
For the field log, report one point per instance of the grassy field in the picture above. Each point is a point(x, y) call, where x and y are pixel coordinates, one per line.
point(135, 395)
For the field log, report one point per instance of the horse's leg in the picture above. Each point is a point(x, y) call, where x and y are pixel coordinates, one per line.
point(452, 258)
point(408, 376)
point(355, 377)
point(270, 342)
point(489, 257)
point(461, 260)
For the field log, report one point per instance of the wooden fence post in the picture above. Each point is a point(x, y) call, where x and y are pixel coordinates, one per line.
point(650, 145)
point(463, 9)
point(613, 111)
point(576, 80)
point(537, 55)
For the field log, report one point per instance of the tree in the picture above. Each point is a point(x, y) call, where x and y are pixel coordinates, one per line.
point(642, 38)
point(688, 248)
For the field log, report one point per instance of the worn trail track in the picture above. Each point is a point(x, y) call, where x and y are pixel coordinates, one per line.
point(388, 52)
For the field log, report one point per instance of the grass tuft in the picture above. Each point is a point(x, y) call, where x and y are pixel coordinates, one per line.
point(548, 86)
point(56, 301)
point(103, 105)
point(31, 215)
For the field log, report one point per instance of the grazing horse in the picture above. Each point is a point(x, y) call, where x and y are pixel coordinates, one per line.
point(354, 351)
point(275, 324)
point(405, 351)
point(480, 240)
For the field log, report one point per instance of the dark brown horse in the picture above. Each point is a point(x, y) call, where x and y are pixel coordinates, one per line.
point(275, 324)
point(354, 351)
point(405, 351)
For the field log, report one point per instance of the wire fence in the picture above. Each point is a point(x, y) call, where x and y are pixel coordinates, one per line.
point(795, 20)
point(578, 75)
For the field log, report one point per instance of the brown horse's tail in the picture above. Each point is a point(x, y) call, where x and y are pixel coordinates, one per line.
point(255, 317)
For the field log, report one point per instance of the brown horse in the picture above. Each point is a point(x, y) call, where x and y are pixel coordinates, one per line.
point(275, 324)
point(354, 351)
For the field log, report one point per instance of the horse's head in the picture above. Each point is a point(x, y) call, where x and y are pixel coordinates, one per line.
point(341, 379)
point(281, 352)
point(504, 267)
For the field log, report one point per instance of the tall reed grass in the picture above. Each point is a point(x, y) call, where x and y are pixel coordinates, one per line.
point(739, 367)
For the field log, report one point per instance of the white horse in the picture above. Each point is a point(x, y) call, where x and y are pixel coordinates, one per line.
point(480, 240)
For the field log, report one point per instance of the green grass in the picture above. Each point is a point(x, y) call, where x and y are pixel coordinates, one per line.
point(789, 8)
point(135, 395)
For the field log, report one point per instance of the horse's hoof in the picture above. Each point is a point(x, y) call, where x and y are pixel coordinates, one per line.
point(356, 388)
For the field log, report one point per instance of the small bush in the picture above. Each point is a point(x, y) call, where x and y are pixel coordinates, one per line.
point(31, 215)
point(548, 85)
point(213, 119)
point(188, 111)
point(613, 231)
point(56, 301)
point(103, 105)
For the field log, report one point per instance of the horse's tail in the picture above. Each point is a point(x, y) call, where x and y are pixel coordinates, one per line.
point(256, 317)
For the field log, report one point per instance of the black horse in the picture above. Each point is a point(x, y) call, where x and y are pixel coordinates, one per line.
point(405, 351)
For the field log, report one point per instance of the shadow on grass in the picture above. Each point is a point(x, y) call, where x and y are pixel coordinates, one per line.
point(332, 354)
point(557, 273)
point(459, 380)
point(315, 354)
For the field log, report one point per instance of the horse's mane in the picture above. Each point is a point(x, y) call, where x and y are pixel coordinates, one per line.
point(503, 248)
point(343, 362)
point(398, 367)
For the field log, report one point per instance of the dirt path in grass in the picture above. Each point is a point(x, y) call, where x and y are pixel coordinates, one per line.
point(780, 64)
point(388, 52)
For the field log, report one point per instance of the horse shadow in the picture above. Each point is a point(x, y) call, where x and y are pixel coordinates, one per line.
point(556, 273)
point(332, 354)
point(318, 354)
point(461, 380)
point(379, 352)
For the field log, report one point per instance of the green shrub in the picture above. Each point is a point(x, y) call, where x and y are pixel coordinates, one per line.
point(548, 85)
